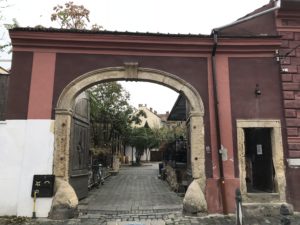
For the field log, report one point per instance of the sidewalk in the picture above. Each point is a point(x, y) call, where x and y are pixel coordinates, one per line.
point(170, 219)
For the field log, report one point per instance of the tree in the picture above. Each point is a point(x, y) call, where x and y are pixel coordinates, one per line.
point(139, 141)
point(5, 44)
point(170, 134)
point(110, 109)
point(143, 139)
point(71, 16)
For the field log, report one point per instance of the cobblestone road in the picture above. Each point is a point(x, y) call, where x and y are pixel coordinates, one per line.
point(133, 190)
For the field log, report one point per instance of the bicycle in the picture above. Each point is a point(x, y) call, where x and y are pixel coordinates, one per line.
point(95, 176)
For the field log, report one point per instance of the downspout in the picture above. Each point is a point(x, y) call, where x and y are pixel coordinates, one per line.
point(216, 99)
point(218, 130)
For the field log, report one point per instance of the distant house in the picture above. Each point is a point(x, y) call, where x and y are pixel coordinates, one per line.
point(151, 120)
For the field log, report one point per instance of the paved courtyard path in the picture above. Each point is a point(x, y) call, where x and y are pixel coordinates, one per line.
point(136, 197)
point(134, 190)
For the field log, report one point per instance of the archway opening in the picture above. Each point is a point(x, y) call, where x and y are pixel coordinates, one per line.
point(64, 117)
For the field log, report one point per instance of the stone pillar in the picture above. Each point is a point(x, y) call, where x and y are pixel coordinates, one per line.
point(197, 148)
point(62, 133)
point(194, 200)
point(65, 201)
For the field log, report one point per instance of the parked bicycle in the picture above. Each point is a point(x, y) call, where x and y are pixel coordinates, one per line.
point(96, 177)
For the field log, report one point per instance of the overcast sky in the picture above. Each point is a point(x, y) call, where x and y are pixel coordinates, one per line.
point(164, 16)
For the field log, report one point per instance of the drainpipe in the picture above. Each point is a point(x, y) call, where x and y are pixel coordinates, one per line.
point(216, 99)
point(218, 131)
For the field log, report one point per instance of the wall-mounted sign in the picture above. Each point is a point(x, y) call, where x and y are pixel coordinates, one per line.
point(43, 186)
point(259, 149)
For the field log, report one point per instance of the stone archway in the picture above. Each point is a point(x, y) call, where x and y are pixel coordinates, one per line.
point(130, 71)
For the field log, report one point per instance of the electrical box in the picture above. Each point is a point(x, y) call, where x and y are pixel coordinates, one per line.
point(43, 185)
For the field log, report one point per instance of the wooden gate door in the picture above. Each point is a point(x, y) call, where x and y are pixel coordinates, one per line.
point(79, 154)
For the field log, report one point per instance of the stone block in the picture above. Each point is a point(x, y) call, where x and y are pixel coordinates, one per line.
point(286, 209)
point(285, 60)
point(292, 122)
point(295, 60)
point(294, 44)
point(287, 52)
point(296, 77)
point(194, 200)
point(294, 146)
point(290, 113)
point(294, 154)
point(287, 77)
point(292, 104)
point(288, 95)
point(297, 95)
point(65, 201)
point(297, 36)
point(292, 131)
point(262, 210)
point(293, 22)
point(285, 44)
point(290, 68)
point(291, 86)
point(286, 35)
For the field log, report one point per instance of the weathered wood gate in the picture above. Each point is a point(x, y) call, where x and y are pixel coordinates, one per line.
point(79, 154)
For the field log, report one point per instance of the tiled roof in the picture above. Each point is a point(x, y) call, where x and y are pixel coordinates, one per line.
point(57, 30)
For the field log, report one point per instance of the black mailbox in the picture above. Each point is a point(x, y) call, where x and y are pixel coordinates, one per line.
point(43, 186)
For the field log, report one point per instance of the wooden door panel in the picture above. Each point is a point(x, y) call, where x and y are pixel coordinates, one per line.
point(79, 154)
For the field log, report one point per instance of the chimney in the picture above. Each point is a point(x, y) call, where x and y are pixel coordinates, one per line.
point(140, 105)
point(167, 112)
point(151, 109)
point(155, 112)
point(145, 105)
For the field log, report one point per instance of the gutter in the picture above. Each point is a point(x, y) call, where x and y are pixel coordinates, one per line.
point(216, 99)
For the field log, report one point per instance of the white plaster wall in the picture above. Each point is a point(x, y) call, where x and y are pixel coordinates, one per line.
point(128, 152)
point(26, 148)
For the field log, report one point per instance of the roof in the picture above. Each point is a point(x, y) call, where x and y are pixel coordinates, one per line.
point(128, 33)
point(178, 112)
point(134, 43)
point(3, 71)
point(60, 30)
point(260, 22)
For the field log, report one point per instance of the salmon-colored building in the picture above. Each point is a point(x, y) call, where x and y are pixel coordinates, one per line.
point(241, 83)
